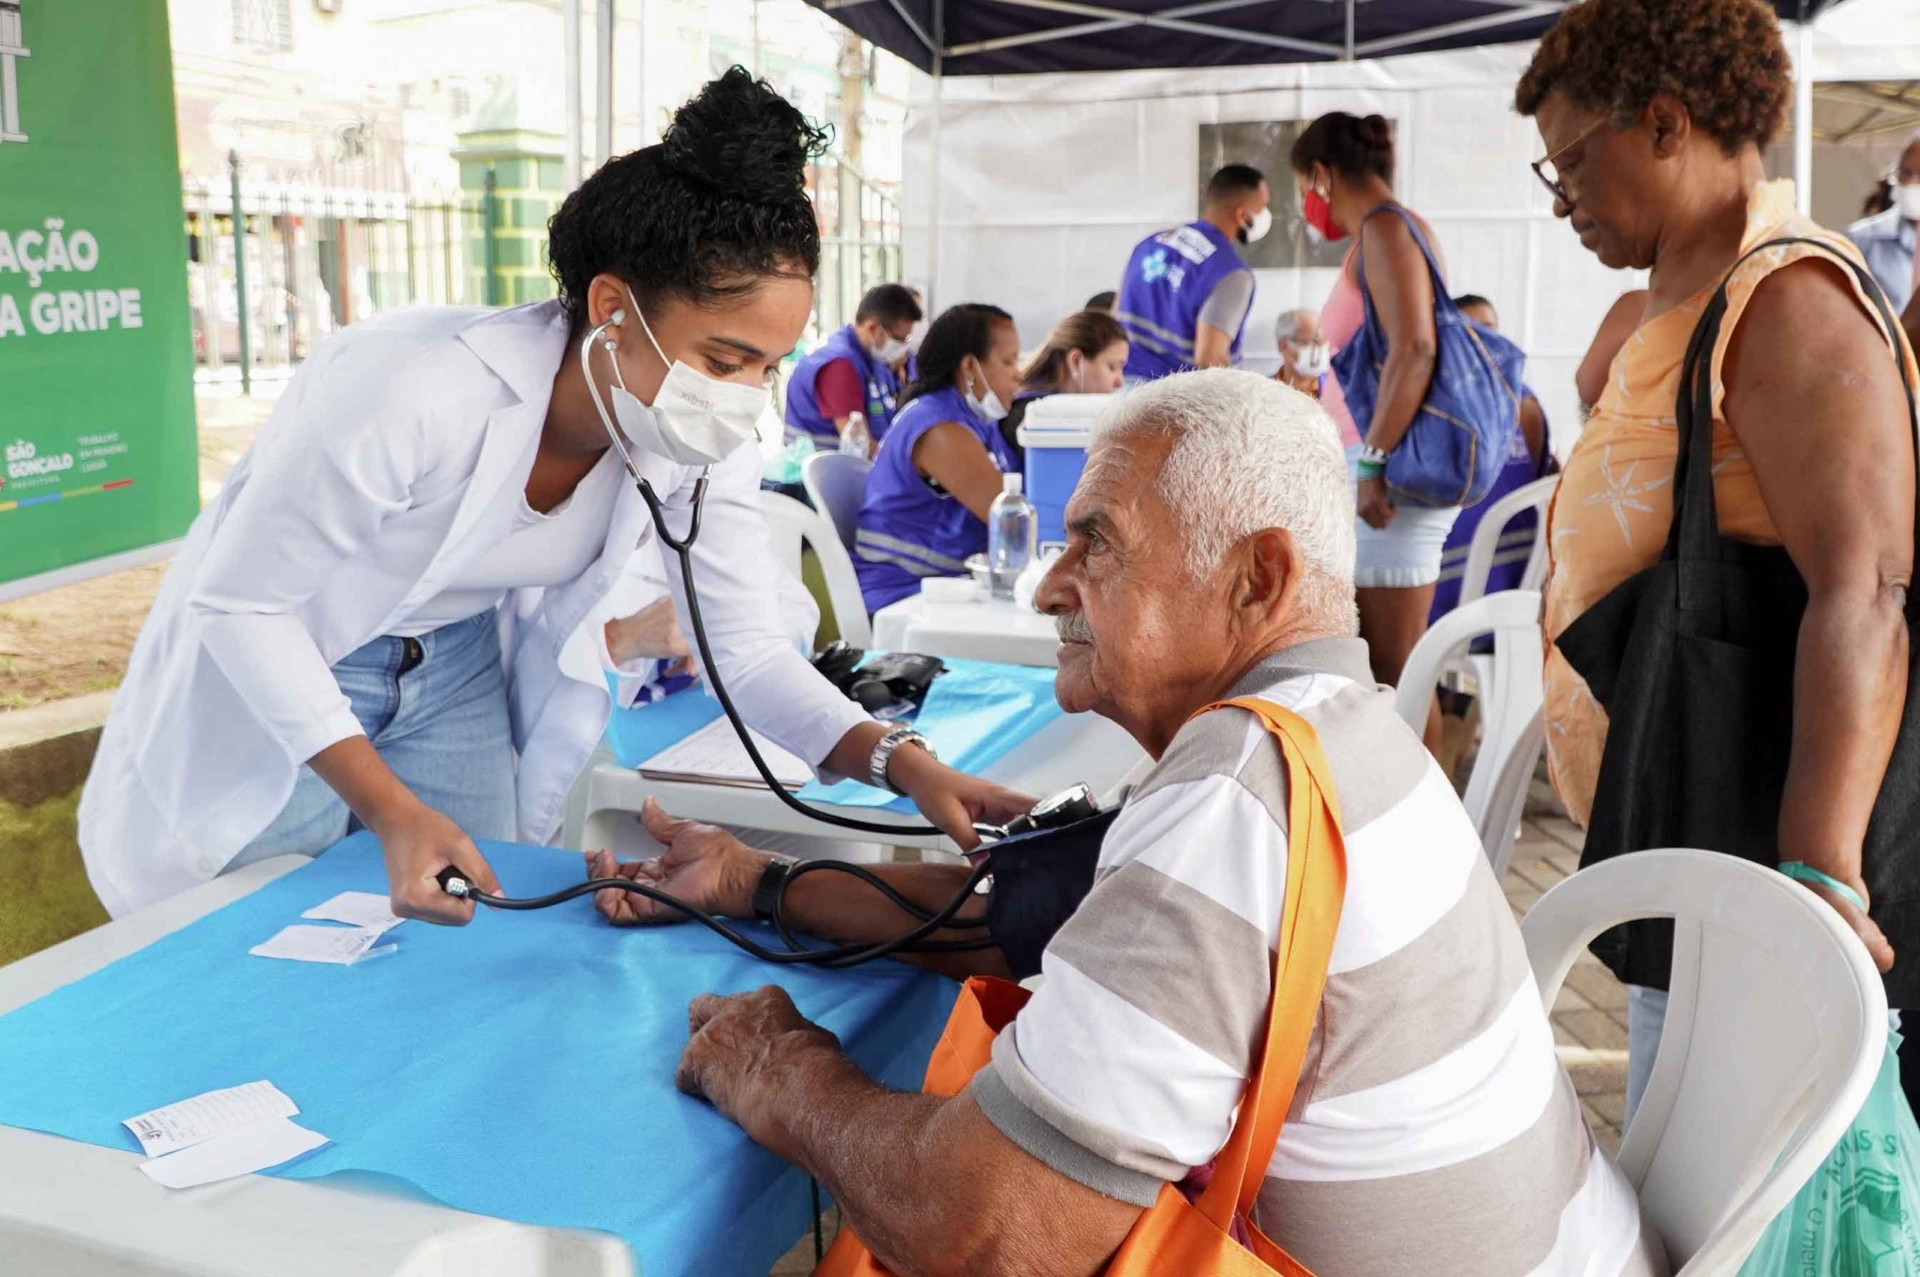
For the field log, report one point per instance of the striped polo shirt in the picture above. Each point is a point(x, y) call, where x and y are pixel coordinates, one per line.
point(1433, 1130)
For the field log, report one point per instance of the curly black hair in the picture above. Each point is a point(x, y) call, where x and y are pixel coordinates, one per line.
point(716, 205)
point(1723, 59)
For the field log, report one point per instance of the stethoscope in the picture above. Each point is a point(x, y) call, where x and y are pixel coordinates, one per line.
point(682, 548)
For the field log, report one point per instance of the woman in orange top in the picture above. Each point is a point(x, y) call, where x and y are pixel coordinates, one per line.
point(1654, 114)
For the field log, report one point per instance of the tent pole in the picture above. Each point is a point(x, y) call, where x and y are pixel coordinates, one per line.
point(1350, 4)
point(570, 87)
point(933, 166)
point(1803, 115)
point(640, 71)
point(603, 86)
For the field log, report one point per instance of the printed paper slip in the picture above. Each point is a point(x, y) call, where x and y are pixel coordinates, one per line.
point(365, 909)
point(254, 1147)
point(342, 946)
point(190, 1122)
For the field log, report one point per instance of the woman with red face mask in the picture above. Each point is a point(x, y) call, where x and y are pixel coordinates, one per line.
point(1343, 165)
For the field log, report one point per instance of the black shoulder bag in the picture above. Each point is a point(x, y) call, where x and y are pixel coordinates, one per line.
point(1693, 660)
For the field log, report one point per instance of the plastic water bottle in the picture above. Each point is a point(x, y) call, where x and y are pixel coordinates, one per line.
point(855, 439)
point(1012, 525)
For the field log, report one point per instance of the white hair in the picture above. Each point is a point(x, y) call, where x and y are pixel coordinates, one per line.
point(1288, 324)
point(1249, 454)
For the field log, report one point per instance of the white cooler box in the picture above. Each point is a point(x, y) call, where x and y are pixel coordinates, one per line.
point(1055, 432)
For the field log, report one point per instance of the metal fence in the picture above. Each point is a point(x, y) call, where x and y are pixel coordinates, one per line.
point(310, 261)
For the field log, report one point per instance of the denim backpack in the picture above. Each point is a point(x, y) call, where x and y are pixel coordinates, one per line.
point(1455, 449)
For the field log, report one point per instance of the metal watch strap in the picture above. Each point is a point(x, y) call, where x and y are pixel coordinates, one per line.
point(767, 890)
point(883, 755)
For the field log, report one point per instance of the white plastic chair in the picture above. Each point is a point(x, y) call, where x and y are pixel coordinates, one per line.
point(1485, 545)
point(790, 526)
point(1510, 696)
point(1776, 1028)
point(837, 483)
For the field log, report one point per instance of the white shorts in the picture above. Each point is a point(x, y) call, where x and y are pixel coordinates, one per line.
point(1404, 554)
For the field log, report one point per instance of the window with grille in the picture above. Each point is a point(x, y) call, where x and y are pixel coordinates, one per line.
point(263, 24)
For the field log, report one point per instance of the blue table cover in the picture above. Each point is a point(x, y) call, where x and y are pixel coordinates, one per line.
point(520, 1067)
point(974, 714)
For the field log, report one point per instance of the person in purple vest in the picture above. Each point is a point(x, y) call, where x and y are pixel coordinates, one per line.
point(852, 371)
point(1186, 293)
point(940, 466)
point(1530, 458)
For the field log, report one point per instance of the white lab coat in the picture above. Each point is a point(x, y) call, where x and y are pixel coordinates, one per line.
point(395, 458)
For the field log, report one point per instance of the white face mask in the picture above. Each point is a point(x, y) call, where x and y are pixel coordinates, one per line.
point(1907, 200)
point(892, 350)
point(1256, 230)
point(915, 337)
point(695, 420)
point(1311, 360)
point(988, 408)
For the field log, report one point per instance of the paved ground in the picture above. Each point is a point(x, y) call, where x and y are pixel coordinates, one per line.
point(1589, 1018)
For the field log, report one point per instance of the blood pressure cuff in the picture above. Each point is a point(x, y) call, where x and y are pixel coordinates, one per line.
point(1039, 879)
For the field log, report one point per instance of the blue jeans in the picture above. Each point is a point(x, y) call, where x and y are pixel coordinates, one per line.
point(435, 707)
point(1646, 1020)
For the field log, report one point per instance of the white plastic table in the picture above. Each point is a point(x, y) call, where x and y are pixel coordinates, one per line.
point(1071, 749)
point(982, 629)
point(69, 1209)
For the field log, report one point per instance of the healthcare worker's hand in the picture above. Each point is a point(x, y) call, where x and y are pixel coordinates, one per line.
point(418, 845)
point(703, 865)
point(652, 633)
point(953, 800)
point(1375, 505)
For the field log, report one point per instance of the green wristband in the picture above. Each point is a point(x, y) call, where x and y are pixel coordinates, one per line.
point(1369, 469)
point(1804, 872)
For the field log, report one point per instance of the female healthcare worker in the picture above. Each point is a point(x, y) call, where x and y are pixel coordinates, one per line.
point(940, 466)
point(391, 616)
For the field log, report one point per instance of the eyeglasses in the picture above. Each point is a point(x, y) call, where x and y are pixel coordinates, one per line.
point(1550, 176)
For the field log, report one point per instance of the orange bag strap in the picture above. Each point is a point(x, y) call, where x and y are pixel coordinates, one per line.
point(1316, 890)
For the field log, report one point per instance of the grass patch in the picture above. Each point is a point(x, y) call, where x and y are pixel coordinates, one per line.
point(44, 894)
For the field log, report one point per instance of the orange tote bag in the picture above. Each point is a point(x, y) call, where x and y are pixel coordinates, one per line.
point(1173, 1235)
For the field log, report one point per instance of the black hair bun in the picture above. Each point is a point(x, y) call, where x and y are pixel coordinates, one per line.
point(741, 138)
point(1376, 132)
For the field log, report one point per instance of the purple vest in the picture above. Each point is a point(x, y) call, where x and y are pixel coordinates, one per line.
point(908, 528)
point(1169, 278)
point(803, 406)
point(1516, 541)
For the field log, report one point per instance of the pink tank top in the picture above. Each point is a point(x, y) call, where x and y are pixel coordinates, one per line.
point(1341, 317)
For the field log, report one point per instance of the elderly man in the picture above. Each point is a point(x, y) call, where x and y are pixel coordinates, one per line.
point(1210, 553)
point(1304, 359)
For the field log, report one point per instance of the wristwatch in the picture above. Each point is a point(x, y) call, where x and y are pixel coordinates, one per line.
point(883, 754)
point(767, 890)
point(1372, 456)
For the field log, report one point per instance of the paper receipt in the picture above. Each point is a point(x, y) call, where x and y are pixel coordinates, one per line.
point(253, 1147)
point(364, 909)
point(343, 946)
point(203, 1117)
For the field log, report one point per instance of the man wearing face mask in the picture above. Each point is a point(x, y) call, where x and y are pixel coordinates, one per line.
point(852, 371)
point(395, 614)
point(1888, 240)
point(1186, 294)
point(1304, 357)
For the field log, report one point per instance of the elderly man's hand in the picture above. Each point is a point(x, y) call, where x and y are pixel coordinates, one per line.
point(739, 1048)
point(703, 865)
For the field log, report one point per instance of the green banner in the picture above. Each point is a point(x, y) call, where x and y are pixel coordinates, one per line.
point(96, 346)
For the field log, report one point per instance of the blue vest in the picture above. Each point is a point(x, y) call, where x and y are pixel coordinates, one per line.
point(803, 406)
point(1516, 542)
point(909, 529)
point(1169, 278)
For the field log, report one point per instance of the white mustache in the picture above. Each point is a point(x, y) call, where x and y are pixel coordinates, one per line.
point(1072, 627)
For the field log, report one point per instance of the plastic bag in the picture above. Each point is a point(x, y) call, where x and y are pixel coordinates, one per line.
point(1857, 1216)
